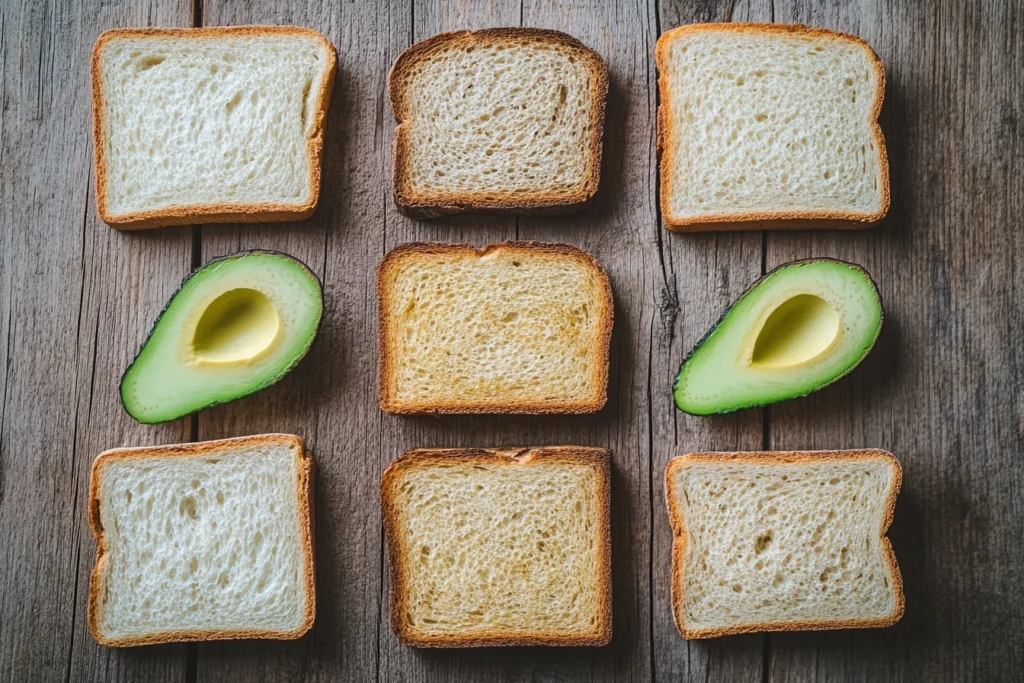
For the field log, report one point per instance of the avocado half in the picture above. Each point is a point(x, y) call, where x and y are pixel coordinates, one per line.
point(797, 329)
point(235, 326)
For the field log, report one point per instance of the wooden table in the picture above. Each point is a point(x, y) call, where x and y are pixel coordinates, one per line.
point(943, 390)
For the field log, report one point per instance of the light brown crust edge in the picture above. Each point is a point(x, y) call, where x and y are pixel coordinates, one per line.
point(599, 458)
point(539, 203)
point(305, 485)
point(387, 364)
point(679, 539)
point(187, 214)
point(765, 220)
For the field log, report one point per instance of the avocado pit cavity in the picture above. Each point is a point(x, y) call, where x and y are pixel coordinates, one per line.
point(797, 331)
point(237, 326)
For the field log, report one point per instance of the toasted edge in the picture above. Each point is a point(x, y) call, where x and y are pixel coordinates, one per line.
point(764, 220)
point(185, 214)
point(306, 484)
point(599, 458)
point(679, 539)
point(387, 343)
point(432, 203)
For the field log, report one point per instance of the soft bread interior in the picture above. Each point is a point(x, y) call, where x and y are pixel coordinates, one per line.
point(770, 121)
point(499, 115)
point(206, 542)
point(504, 327)
point(209, 119)
point(770, 543)
point(500, 549)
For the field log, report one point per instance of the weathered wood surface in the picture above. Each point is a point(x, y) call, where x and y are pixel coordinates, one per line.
point(944, 390)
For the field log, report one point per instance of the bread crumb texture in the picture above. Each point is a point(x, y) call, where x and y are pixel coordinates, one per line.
point(206, 542)
point(503, 327)
point(769, 543)
point(509, 114)
point(493, 548)
point(209, 120)
point(771, 121)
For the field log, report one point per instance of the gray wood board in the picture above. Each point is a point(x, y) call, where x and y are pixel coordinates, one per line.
point(944, 390)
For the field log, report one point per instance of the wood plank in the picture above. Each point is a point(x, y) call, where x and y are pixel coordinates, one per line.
point(620, 229)
point(699, 276)
point(399, 662)
point(78, 298)
point(330, 399)
point(944, 388)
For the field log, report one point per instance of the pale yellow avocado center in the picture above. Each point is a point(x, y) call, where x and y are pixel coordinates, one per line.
point(798, 331)
point(237, 326)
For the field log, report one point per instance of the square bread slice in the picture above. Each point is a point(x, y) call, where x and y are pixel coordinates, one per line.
point(783, 541)
point(767, 126)
point(209, 125)
point(202, 541)
point(499, 546)
point(515, 327)
point(505, 119)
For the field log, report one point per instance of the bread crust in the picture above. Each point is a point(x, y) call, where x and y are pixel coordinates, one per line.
point(434, 203)
point(599, 458)
point(305, 489)
point(679, 538)
point(764, 220)
point(387, 363)
point(186, 214)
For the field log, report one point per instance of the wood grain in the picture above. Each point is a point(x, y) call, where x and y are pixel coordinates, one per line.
point(330, 399)
point(700, 276)
point(77, 299)
point(944, 389)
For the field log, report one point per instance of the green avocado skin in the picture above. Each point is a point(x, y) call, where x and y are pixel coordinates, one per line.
point(300, 353)
point(676, 385)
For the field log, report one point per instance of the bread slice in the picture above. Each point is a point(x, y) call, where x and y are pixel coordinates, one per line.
point(783, 541)
point(208, 125)
point(767, 126)
point(504, 119)
point(202, 541)
point(515, 327)
point(499, 547)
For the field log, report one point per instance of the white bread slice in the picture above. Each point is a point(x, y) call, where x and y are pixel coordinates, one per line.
point(783, 541)
point(770, 126)
point(505, 119)
point(499, 547)
point(208, 125)
point(515, 327)
point(202, 541)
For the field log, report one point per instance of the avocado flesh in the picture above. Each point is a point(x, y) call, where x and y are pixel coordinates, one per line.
point(235, 326)
point(797, 329)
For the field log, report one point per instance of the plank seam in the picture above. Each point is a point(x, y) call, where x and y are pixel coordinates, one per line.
point(659, 228)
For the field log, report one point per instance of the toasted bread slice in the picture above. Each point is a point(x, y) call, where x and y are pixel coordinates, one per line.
point(202, 541)
point(499, 547)
point(515, 327)
point(783, 541)
point(766, 126)
point(506, 119)
point(209, 125)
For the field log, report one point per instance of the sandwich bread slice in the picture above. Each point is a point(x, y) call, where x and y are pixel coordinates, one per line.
point(202, 541)
point(783, 541)
point(499, 546)
point(505, 119)
point(770, 126)
point(206, 125)
point(515, 327)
